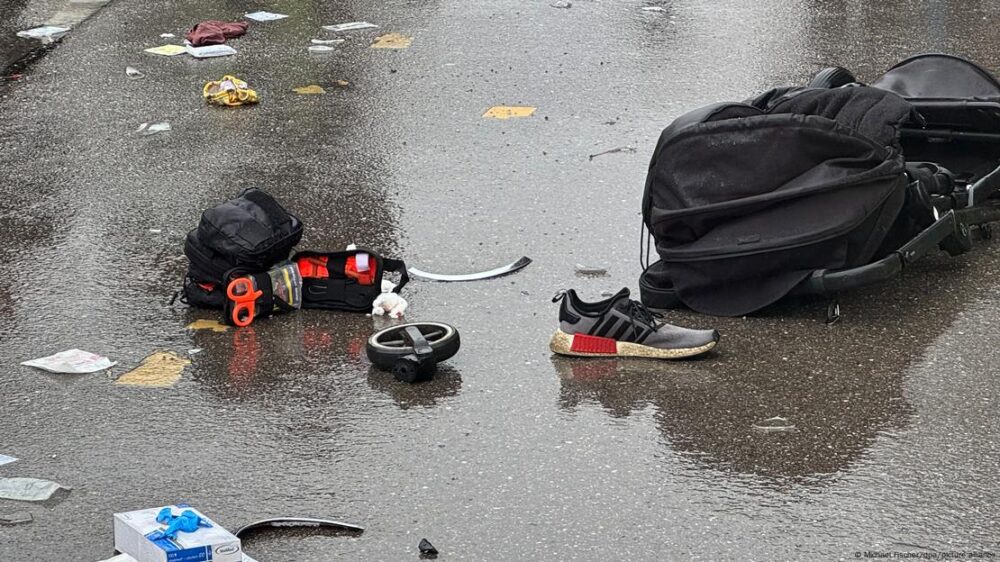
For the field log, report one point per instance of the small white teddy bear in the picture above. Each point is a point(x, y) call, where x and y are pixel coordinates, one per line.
point(389, 302)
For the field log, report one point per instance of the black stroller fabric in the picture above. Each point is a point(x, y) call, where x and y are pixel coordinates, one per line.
point(950, 93)
point(939, 77)
point(744, 201)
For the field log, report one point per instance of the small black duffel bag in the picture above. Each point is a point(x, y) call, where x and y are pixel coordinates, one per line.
point(251, 232)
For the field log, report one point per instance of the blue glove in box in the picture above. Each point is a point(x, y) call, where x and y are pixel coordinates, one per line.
point(174, 533)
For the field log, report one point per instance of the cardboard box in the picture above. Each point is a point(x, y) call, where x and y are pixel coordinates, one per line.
point(207, 544)
point(127, 558)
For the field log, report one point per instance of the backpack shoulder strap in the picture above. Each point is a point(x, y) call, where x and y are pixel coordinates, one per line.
point(399, 266)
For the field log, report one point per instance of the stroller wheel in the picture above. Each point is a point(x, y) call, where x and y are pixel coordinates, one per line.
point(832, 77)
point(386, 348)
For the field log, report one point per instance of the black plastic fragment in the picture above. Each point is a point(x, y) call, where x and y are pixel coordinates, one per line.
point(427, 550)
point(17, 518)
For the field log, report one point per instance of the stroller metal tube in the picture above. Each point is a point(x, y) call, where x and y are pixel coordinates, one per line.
point(825, 281)
point(981, 214)
point(950, 135)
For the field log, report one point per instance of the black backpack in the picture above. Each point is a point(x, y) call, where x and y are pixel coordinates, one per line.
point(745, 202)
point(252, 233)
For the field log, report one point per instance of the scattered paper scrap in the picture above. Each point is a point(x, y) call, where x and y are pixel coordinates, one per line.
point(4, 459)
point(194, 351)
point(161, 369)
point(27, 489)
point(265, 16)
point(17, 518)
point(326, 41)
point(167, 50)
point(654, 9)
point(392, 41)
point(309, 90)
point(321, 49)
point(73, 361)
point(167, 35)
point(203, 324)
point(133, 72)
point(210, 51)
point(147, 129)
point(507, 112)
point(342, 83)
point(45, 32)
point(352, 26)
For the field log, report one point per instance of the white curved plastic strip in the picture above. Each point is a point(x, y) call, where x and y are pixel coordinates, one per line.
point(498, 272)
point(298, 522)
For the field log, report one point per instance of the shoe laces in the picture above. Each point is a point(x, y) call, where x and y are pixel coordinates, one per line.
point(638, 313)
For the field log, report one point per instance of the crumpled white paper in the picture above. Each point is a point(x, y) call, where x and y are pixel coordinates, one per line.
point(46, 32)
point(27, 489)
point(209, 51)
point(352, 26)
point(73, 362)
point(265, 16)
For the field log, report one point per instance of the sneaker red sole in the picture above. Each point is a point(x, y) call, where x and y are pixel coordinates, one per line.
point(583, 343)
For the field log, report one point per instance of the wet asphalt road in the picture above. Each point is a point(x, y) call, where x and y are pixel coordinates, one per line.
point(510, 453)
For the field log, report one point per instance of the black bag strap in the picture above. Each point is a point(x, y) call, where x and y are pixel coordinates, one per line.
point(389, 264)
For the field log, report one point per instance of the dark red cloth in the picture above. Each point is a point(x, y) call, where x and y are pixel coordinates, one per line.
point(215, 32)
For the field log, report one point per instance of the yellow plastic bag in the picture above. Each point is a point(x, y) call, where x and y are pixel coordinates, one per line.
point(230, 91)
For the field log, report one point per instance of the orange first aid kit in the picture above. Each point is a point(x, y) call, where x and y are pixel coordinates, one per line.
point(350, 280)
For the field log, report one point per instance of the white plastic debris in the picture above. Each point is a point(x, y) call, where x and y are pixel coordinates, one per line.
point(147, 129)
point(167, 35)
point(194, 351)
point(4, 459)
point(133, 72)
point(46, 32)
point(326, 41)
point(654, 9)
point(321, 49)
point(119, 558)
point(127, 558)
point(73, 361)
point(265, 16)
point(27, 489)
point(352, 26)
point(773, 425)
point(209, 51)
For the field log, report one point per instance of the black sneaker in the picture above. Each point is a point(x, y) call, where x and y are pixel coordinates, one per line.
point(620, 327)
